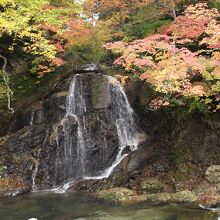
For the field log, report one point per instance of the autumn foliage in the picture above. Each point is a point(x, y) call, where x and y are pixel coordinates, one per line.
point(41, 30)
point(180, 62)
point(117, 10)
point(72, 31)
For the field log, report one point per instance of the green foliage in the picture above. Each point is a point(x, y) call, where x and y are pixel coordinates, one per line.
point(2, 169)
point(197, 106)
point(135, 77)
point(145, 21)
point(214, 4)
point(145, 28)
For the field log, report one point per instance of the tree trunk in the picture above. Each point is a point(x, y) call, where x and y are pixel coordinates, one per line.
point(6, 81)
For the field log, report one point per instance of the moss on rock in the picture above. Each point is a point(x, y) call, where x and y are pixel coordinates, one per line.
point(115, 194)
point(151, 185)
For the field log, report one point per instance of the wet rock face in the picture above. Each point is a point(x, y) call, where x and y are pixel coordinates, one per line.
point(36, 136)
point(12, 186)
point(213, 176)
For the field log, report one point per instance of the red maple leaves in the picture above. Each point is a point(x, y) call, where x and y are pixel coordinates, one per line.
point(183, 60)
point(72, 31)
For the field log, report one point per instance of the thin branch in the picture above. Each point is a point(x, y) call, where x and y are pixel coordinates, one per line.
point(6, 81)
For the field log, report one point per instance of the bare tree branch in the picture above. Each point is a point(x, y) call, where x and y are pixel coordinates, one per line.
point(6, 81)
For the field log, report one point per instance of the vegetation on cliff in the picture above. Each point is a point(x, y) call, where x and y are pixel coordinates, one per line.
point(172, 45)
point(38, 32)
point(180, 62)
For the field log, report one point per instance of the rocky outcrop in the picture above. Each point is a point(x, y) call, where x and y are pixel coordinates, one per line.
point(151, 185)
point(127, 196)
point(13, 186)
point(35, 137)
point(213, 176)
point(116, 194)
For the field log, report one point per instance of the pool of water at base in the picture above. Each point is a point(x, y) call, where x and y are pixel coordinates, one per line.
point(50, 206)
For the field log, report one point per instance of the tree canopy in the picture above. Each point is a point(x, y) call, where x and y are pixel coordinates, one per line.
point(39, 31)
point(172, 45)
point(40, 28)
point(182, 61)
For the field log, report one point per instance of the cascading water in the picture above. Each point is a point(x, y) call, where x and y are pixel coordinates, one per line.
point(34, 174)
point(32, 118)
point(72, 164)
point(36, 162)
point(122, 116)
point(74, 158)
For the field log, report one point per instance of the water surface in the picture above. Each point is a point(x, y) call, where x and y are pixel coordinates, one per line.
point(49, 206)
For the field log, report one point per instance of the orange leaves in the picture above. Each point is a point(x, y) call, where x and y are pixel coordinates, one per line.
point(59, 47)
point(49, 67)
point(43, 69)
point(147, 76)
point(199, 25)
point(58, 62)
point(185, 27)
point(118, 9)
point(144, 61)
point(201, 11)
point(75, 32)
point(174, 62)
point(50, 28)
point(118, 46)
point(62, 31)
point(64, 28)
point(212, 38)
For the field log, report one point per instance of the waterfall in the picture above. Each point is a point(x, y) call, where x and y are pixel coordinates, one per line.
point(122, 116)
point(75, 138)
point(31, 118)
point(34, 174)
point(76, 107)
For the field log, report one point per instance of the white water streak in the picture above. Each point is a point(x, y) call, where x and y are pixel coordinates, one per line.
point(122, 116)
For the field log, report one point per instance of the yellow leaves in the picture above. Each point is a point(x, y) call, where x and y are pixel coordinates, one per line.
point(113, 81)
point(129, 56)
point(216, 72)
point(208, 101)
point(122, 79)
point(198, 89)
point(22, 21)
point(6, 2)
point(119, 79)
point(212, 103)
point(217, 108)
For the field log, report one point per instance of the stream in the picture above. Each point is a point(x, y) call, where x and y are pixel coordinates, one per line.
point(68, 206)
